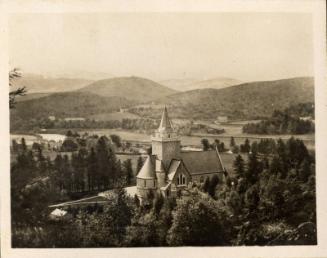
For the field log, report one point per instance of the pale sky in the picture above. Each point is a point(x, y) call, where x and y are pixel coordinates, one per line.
point(159, 46)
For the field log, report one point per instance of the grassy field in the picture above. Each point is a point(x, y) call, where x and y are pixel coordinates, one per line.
point(114, 116)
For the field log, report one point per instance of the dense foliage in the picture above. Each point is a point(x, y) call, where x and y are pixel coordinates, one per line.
point(269, 199)
point(22, 125)
point(293, 120)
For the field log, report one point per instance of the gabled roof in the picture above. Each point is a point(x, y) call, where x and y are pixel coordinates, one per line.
point(202, 162)
point(147, 170)
point(173, 168)
point(165, 124)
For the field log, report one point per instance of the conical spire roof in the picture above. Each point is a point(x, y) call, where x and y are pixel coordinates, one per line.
point(165, 124)
point(147, 170)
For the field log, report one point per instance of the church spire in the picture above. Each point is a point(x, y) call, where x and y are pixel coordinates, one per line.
point(165, 124)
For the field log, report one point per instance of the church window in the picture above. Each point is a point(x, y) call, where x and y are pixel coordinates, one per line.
point(181, 179)
point(144, 183)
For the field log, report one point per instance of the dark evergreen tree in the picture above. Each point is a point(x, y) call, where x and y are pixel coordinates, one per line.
point(116, 140)
point(128, 171)
point(232, 142)
point(205, 144)
point(212, 185)
point(92, 171)
point(239, 166)
point(254, 168)
point(23, 145)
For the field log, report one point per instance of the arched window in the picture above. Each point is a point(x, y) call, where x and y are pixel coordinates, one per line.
point(181, 179)
point(144, 183)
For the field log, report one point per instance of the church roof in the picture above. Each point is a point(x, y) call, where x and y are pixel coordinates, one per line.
point(147, 170)
point(202, 162)
point(165, 124)
point(173, 168)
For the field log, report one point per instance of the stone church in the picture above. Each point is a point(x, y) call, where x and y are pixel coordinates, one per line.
point(168, 169)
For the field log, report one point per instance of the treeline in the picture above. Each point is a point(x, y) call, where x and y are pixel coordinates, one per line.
point(18, 124)
point(288, 121)
point(269, 201)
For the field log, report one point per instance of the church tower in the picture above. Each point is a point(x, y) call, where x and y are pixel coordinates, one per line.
point(165, 144)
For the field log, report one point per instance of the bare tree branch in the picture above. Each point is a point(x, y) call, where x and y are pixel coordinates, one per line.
point(15, 74)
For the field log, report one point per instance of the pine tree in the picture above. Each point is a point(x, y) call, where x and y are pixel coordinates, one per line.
point(254, 169)
point(305, 170)
point(92, 170)
point(23, 145)
point(42, 164)
point(212, 185)
point(232, 142)
point(205, 144)
point(239, 166)
point(128, 171)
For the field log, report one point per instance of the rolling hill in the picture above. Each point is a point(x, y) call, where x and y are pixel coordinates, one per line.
point(192, 84)
point(133, 88)
point(245, 101)
point(39, 84)
point(68, 104)
point(248, 100)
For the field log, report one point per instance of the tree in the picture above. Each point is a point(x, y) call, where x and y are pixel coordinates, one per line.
point(23, 145)
point(246, 146)
point(197, 221)
point(116, 140)
point(212, 185)
point(15, 146)
point(239, 166)
point(15, 74)
point(276, 166)
point(305, 170)
point(108, 228)
point(205, 144)
point(158, 203)
point(92, 170)
point(128, 171)
point(252, 198)
point(69, 133)
point(206, 185)
point(254, 169)
point(232, 142)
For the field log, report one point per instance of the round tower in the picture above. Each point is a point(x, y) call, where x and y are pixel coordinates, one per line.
point(146, 181)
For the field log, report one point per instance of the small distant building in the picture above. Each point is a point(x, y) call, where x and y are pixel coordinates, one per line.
point(74, 119)
point(222, 119)
point(52, 118)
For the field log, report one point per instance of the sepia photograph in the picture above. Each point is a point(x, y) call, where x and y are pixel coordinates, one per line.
point(162, 129)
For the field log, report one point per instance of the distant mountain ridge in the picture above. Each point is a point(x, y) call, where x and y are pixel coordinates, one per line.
point(192, 84)
point(133, 88)
point(41, 84)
